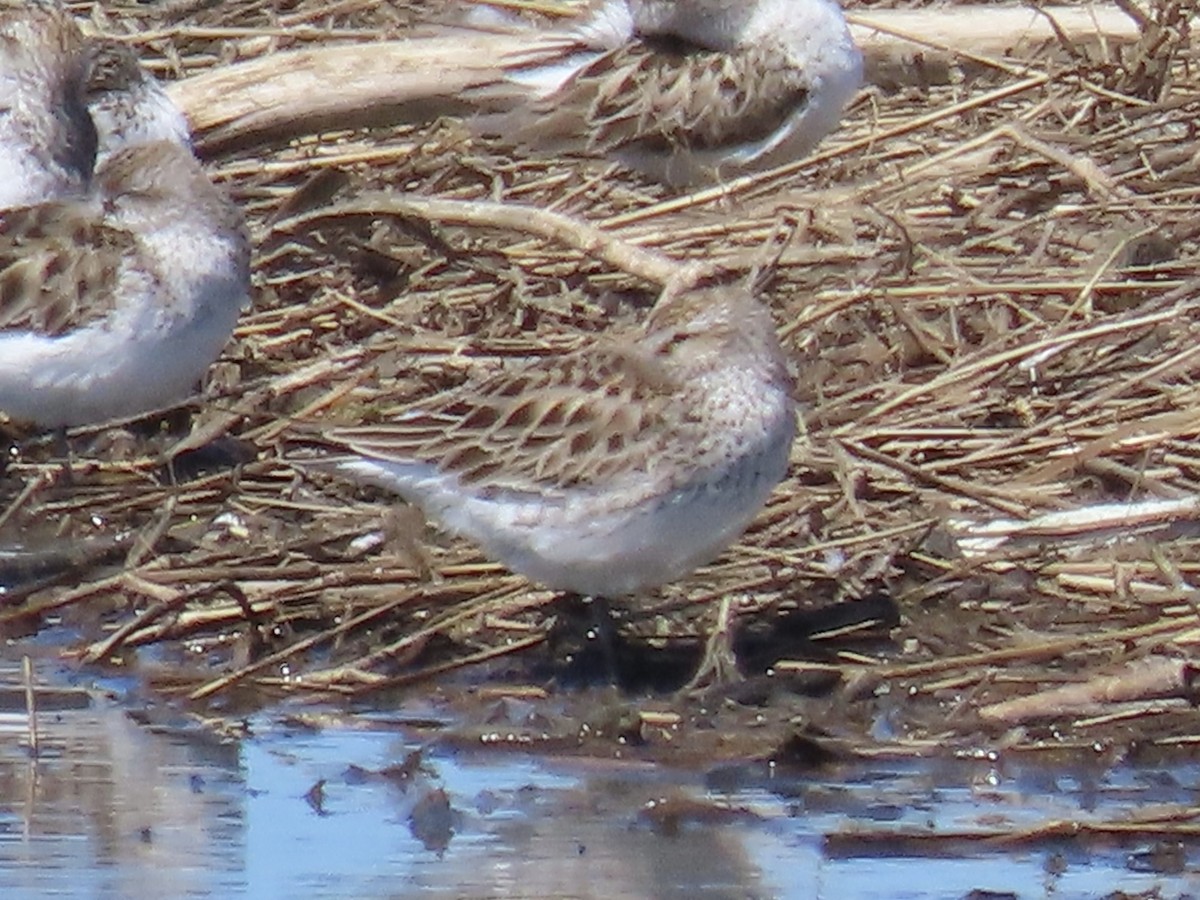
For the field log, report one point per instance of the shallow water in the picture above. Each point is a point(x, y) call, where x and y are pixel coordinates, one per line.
point(112, 808)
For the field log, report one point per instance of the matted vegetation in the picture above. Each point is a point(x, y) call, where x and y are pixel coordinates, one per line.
point(985, 282)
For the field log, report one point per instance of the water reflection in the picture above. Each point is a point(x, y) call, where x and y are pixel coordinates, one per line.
point(109, 809)
point(116, 809)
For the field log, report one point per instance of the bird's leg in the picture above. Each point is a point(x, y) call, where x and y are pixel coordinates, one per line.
point(719, 664)
point(604, 632)
point(62, 449)
point(584, 640)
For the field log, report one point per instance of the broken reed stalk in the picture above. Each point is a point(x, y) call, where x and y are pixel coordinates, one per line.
point(1145, 679)
point(30, 706)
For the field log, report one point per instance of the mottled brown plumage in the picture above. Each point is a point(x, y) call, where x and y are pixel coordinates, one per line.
point(687, 90)
point(656, 98)
point(59, 266)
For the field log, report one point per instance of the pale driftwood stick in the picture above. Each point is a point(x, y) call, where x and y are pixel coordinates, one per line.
point(1097, 522)
point(989, 30)
point(589, 240)
point(325, 88)
point(1150, 679)
point(299, 92)
point(31, 706)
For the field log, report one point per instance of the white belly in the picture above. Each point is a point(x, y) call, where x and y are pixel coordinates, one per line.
point(125, 366)
point(593, 543)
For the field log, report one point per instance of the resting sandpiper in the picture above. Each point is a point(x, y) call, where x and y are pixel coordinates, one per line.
point(686, 91)
point(609, 470)
point(119, 287)
point(115, 305)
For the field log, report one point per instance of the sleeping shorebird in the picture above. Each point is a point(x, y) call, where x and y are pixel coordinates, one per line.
point(117, 294)
point(115, 304)
point(609, 470)
point(47, 141)
point(689, 90)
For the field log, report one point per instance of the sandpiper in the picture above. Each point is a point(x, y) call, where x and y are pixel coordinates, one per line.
point(691, 90)
point(115, 304)
point(609, 470)
point(47, 140)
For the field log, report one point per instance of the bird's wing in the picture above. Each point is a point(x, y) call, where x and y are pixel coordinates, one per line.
point(60, 268)
point(577, 421)
point(658, 99)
